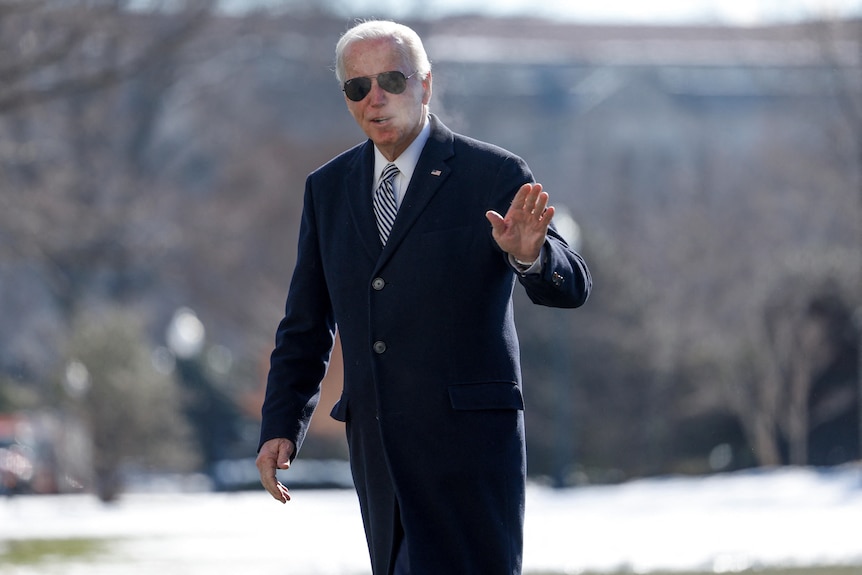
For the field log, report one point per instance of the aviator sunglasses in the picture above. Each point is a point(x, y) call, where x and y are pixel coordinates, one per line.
point(393, 82)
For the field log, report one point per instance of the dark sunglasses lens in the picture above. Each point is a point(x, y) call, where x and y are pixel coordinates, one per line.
point(392, 82)
point(357, 88)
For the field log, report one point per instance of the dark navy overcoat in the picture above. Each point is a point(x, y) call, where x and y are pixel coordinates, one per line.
point(432, 386)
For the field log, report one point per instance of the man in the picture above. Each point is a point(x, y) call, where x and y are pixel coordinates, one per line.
point(432, 395)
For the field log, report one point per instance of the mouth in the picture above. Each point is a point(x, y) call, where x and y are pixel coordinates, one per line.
point(379, 121)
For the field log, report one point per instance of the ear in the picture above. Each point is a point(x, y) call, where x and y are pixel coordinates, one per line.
point(426, 89)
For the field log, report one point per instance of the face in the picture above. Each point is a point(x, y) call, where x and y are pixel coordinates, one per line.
point(391, 121)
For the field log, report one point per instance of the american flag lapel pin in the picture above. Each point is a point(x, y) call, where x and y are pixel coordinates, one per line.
point(436, 172)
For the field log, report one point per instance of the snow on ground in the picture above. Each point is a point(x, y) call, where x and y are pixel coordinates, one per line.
point(721, 523)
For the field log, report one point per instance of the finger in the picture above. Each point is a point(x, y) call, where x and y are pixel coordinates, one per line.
point(536, 202)
point(285, 494)
point(279, 493)
point(496, 219)
point(538, 187)
point(520, 199)
point(541, 204)
point(274, 487)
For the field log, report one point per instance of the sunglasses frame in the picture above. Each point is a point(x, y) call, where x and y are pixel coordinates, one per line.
point(383, 86)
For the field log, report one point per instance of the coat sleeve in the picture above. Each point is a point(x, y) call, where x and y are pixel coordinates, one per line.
point(303, 342)
point(565, 280)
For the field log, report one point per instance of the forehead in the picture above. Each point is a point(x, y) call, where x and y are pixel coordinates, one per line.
point(367, 57)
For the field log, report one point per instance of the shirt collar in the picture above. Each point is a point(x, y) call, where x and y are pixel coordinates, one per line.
point(406, 162)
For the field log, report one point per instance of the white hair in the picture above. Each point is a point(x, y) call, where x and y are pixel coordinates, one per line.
point(406, 39)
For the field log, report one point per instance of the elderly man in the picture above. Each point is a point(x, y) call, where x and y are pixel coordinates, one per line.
point(410, 245)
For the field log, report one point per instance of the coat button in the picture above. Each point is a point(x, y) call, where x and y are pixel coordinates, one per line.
point(378, 283)
point(379, 347)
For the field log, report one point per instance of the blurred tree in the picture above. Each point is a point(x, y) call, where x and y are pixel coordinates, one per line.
point(51, 50)
point(591, 378)
point(83, 88)
point(803, 337)
point(132, 410)
point(781, 396)
point(808, 295)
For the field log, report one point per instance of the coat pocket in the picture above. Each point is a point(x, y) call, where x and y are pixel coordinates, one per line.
point(486, 395)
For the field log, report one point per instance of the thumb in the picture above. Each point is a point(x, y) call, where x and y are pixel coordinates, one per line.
point(495, 219)
point(284, 452)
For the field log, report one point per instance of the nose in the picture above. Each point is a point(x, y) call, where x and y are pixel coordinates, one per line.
point(377, 95)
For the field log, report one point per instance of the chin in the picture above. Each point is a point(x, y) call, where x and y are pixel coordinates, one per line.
point(383, 140)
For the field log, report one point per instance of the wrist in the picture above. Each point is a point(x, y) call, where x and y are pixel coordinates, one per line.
point(524, 262)
point(521, 266)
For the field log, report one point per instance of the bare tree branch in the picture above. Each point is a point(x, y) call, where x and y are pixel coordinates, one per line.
point(51, 72)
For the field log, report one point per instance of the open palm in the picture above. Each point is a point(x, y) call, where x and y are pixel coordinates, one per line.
point(521, 232)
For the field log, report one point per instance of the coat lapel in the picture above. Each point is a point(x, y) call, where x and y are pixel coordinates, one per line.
point(431, 171)
point(357, 183)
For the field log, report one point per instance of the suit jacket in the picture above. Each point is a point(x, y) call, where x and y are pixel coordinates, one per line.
point(432, 386)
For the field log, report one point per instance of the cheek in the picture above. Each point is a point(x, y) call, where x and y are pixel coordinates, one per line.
point(354, 108)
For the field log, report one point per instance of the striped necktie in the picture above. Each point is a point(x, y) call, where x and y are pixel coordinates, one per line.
point(385, 207)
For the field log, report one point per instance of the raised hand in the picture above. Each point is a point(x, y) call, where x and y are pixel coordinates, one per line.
point(521, 232)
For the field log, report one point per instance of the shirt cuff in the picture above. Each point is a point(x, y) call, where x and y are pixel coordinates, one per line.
point(524, 269)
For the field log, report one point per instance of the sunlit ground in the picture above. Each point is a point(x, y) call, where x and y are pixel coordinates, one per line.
point(783, 522)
